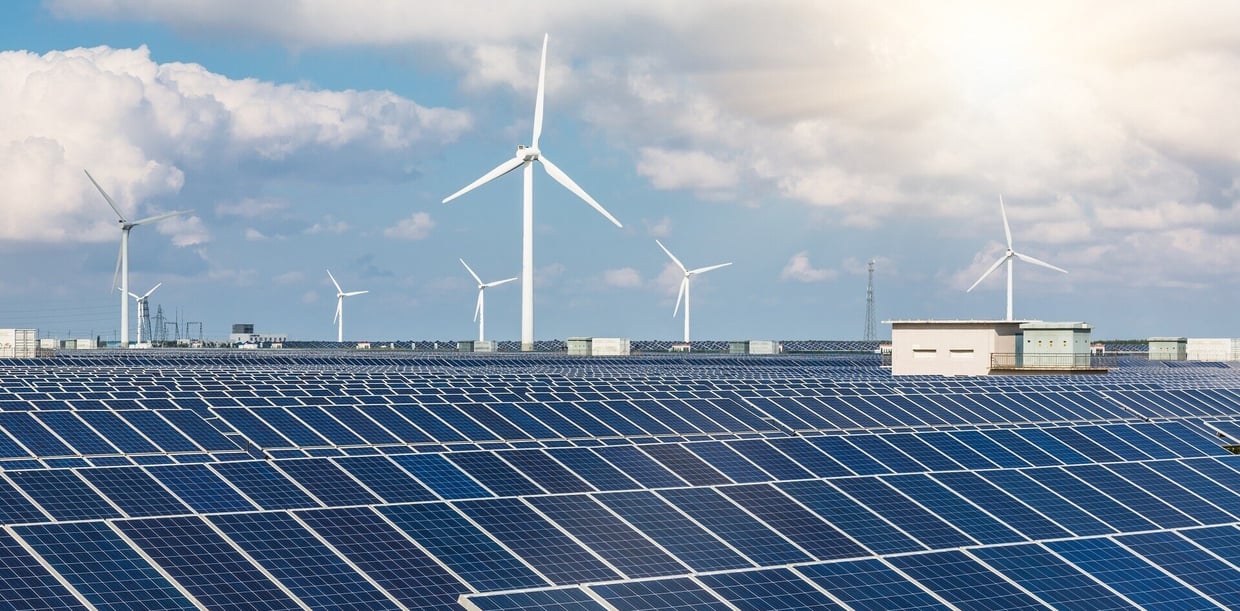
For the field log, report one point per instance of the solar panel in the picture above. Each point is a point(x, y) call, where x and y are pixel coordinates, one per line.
point(1129, 575)
point(963, 582)
point(656, 594)
point(684, 538)
point(768, 589)
point(25, 583)
point(870, 585)
point(607, 535)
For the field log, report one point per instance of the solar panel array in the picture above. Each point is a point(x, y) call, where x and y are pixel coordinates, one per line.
point(178, 480)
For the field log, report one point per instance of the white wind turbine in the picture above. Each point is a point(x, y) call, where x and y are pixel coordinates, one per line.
point(480, 312)
point(122, 260)
point(142, 307)
point(526, 156)
point(1007, 257)
point(340, 295)
point(684, 283)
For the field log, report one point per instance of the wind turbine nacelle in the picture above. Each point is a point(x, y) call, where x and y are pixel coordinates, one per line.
point(527, 153)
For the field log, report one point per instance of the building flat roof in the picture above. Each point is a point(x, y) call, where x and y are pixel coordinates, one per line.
point(958, 322)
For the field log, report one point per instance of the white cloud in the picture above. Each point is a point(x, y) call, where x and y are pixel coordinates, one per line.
point(548, 275)
point(252, 208)
point(660, 228)
point(625, 277)
point(695, 170)
point(328, 224)
point(185, 230)
point(799, 269)
point(140, 127)
point(254, 235)
point(292, 277)
point(416, 227)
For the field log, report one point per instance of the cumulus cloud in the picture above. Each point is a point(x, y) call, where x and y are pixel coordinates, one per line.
point(695, 170)
point(142, 127)
point(625, 277)
point(328, 224)
point(660, 228)
point(252, 208)
point(416, 227)
point(799, 269)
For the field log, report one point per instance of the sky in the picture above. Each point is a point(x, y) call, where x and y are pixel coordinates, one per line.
point(797, 139)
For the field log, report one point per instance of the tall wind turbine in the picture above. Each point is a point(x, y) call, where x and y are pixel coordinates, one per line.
point(684, 284)
point(525, 157)
point(480, 312)
point(122, 259)
point(1007, 258)
point(142, 307)
point(340, 295)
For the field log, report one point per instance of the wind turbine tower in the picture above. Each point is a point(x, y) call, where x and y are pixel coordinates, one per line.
point(684, 283)
point(340, 295)
point(122, 259)
point(480, 310)
point(870, 322)
point(1007, 257)
point(144, 313)
point(525, 158)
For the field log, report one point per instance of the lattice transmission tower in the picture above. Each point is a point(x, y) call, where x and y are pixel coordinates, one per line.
point(870, 323)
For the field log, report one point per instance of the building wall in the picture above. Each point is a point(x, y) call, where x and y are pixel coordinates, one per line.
point(1052, 346)
point(949, 348)
point(1168, 349)
point(1211, 349)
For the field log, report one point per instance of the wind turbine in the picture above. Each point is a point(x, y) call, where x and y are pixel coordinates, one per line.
point(142, 308)
point(1007, 258)
point(480, 313)
point(684, 284)
point(122, 259)
point(340, 295)
point(525, 157)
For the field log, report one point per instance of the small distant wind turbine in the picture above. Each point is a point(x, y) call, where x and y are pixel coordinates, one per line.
point(142, 307)
point(1007, 258)
point(340, 295)
point(525, 157)
point(480, 312)
point(122, 259)
point(684, 284)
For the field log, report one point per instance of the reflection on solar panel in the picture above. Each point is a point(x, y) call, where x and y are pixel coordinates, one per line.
point(294, 479)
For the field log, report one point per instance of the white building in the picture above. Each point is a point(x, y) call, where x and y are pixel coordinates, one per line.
point(1212, 349)
point(982, 347)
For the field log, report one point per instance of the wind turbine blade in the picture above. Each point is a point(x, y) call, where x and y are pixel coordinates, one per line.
point(155, 219)
point(120, 251)
point(703, 270)
point(105, 196)
point(148, 293)
point(478, 306)
point(568, 183)
point(470, 270)
point(134, 295)
point(352, 293)
point(680, 296)
point(499, 282)
point(1034, 261)
point(538, 101)
point(499, 170)
point(1007, 231)
point(988, 272)
point(329, 275)
point(339, 304)
point(672, 257)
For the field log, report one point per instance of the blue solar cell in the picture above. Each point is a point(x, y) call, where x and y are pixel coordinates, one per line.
point(1074, 439)
point(63, 495)
point(679, 535)
point(1224, 541)
point(1170, 493)
point(608, 536)
point(536, 541)
point(199, 430)
point(385, 479)
point(1089, 499)
point(734, 525)
point(562, 599)
point(793, 521)
point(1047, 502)
point(1134, 578)
point(254, 428)
point(626, 411)
point(494, 473)
point(469, 552)
point(1053, 446)
point(686, 465)
point(425, 420)
point(877, 448)
point(201, 488)
point(545, 471)
point(659, 594)
point(309, 569)
point(329, 483)
point(9, 448)
point(205, 564)
point(591, 467)
point(15, 509)
point(963, 582)
point(487, 417)
point(1194, 566)
point(404, 430)
point(953, 509)
point(32, 434)
point(770, 459)
point(26, 584)
point(1007, 443)
point(910, 517)
point(264, 485)
point(971, 458)
point(70, 428)
point(441, 476)
point(728, 461)
point(1050, 578)
point(1125, 442)
point(768, 589)
point(639, 466)
point(1016, 514)
point(462, 422)
point(869, 585)
point(847, 454)
point(118, 432)
point(562, 426)
point(101, 566)
point(596, 418)
point(158, 430)
point(320, 420)
point(134, 491)
point(358, 423)
point(288, 426)
point(809, 457)
point(846, 514)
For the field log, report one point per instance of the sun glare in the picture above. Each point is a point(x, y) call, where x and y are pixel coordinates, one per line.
point(985, 53)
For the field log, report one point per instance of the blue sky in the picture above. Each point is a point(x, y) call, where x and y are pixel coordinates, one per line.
point(796, 139)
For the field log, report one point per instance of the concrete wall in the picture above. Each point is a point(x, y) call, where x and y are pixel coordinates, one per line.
point(949, 347)
point(1054, 345)
point(1212, 349)
point(1168, 348)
